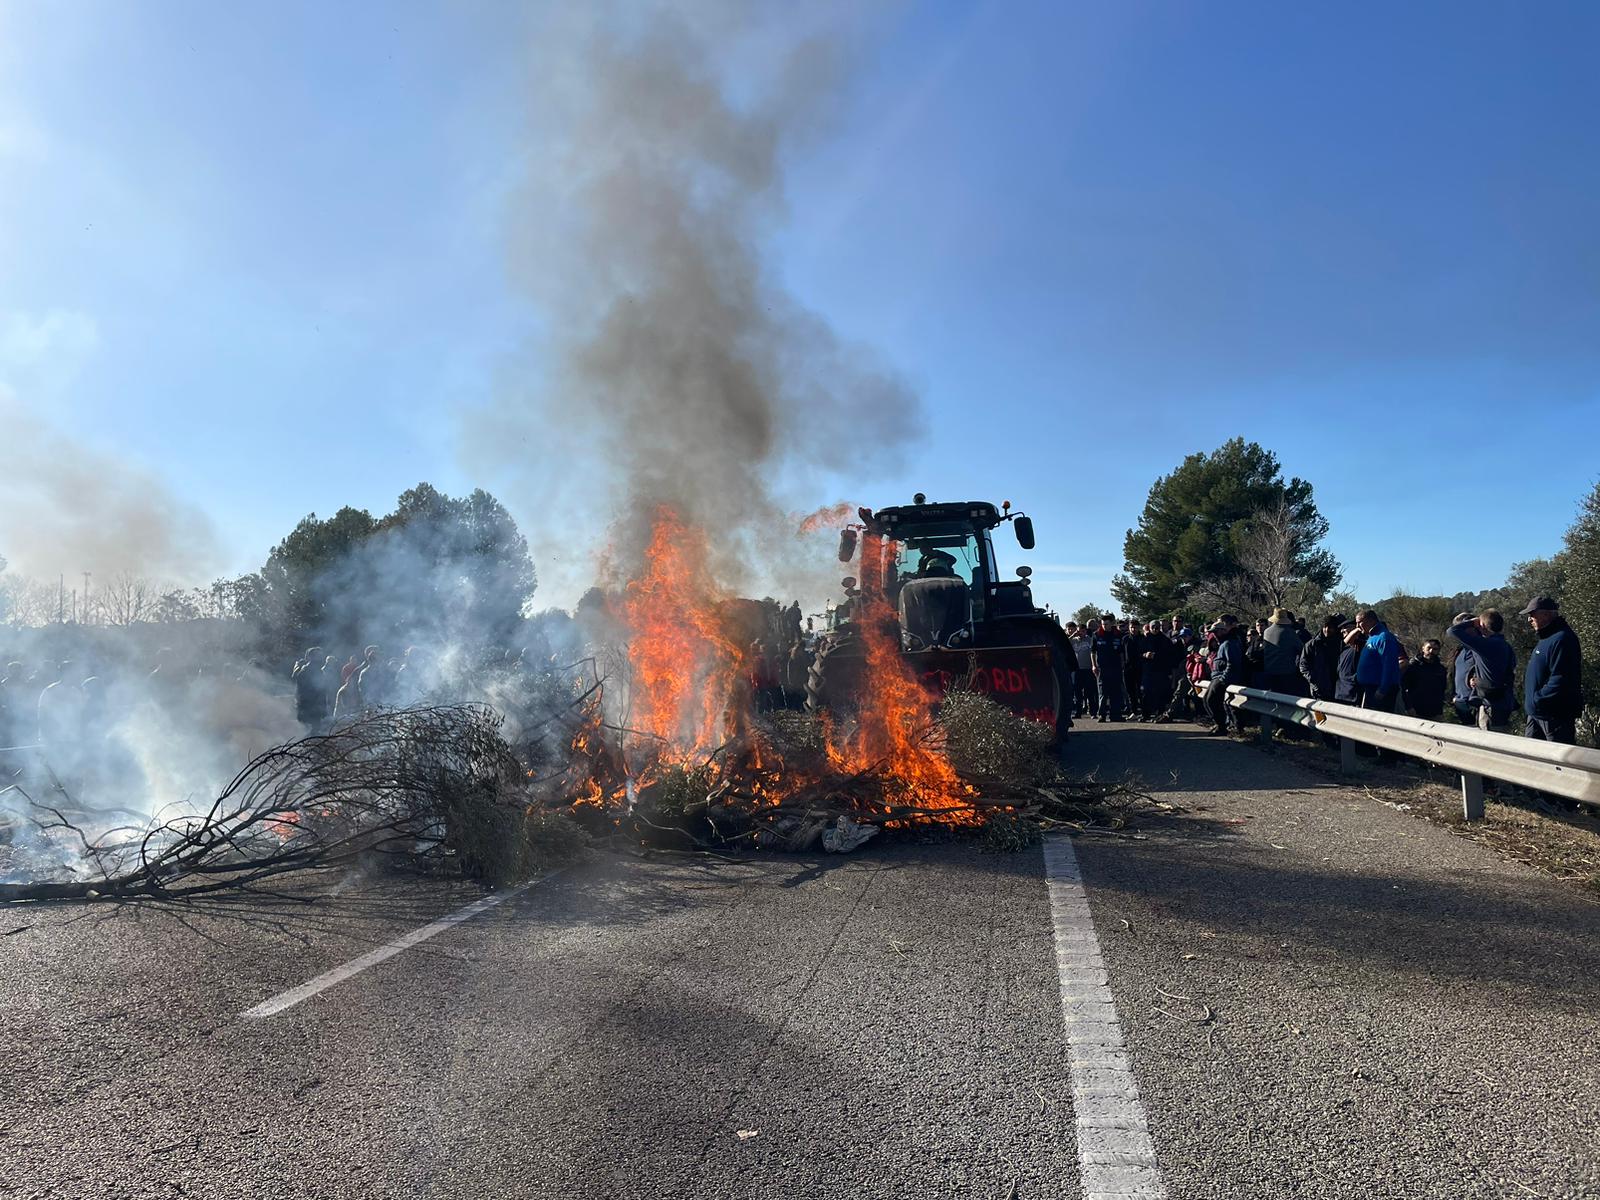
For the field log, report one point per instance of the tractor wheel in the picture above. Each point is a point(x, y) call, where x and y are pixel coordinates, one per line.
point(835, 670)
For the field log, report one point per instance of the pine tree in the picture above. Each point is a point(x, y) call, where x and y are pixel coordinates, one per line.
point(1580, 602)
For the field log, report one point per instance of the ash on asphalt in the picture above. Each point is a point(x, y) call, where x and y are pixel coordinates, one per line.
point(887, 1023)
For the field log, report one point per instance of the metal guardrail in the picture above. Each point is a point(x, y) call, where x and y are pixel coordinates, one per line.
point(1570, 771)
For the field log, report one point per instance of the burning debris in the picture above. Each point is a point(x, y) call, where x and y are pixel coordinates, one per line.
point(679, 750)
point(667, 732)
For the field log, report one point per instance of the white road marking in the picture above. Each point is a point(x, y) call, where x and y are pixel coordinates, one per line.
point(1116, 1160)
point(355, 966)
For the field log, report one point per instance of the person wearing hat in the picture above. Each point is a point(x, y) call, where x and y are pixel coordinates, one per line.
point(1552, 688)
point(1280, 655)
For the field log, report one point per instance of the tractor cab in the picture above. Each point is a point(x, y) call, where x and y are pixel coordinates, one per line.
point(933, 567)
point(938, 568)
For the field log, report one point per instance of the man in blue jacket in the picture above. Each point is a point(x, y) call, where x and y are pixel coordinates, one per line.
point(1552, 689)
point(1491, 668)
point(1378, 669)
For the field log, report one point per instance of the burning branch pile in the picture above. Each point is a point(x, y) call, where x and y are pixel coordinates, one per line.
point(673, 746)
point(436, 787)
point(678, 750)
point(781, 786)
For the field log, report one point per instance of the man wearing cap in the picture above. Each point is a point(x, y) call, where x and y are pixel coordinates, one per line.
point(1552, 689)
point(1491, 668)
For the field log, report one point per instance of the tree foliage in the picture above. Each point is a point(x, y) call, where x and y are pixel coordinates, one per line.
point(1087, 614)
point(1229, 520)
point(1580, 594)
point(437, 568)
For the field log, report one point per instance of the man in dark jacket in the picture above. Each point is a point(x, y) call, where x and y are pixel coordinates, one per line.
point(1253, 657)
point(1491, 670)
point(1133, 665)
point(1319, 660)
point(1280, 655)
point(1423, 683)
point(1552, 689)
point(1348, 691)
point(1106, 654)
point(1155, 679)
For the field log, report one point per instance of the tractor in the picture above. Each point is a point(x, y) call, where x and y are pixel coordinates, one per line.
point(930, 568)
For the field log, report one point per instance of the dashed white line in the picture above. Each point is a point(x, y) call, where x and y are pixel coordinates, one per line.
point(1116, 1159)
point(288, 999)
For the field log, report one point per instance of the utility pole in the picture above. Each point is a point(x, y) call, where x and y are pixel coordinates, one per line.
point(85, 618)
point(61, 599)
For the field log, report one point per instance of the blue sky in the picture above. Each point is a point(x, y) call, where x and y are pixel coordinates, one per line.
point(260, 252)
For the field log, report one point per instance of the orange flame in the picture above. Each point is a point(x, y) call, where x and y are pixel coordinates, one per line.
point(693, 692)
point(833, 515)
point(894, 733)
point(685, 667)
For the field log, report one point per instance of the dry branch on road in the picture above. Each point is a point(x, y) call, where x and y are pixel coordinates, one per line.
point(435, 786)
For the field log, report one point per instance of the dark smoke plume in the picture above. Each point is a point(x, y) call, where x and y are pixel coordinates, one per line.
point(674, 366)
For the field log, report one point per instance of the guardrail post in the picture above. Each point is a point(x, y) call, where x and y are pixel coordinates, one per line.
point(1472, 797)
point(1347, 756)
point(1266, 730)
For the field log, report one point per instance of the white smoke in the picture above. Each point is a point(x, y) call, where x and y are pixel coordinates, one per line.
point(67, 507)
point(674, 367)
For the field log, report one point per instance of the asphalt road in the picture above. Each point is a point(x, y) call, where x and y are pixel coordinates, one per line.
point(1319, 996)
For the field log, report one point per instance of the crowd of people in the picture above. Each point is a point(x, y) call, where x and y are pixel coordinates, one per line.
point(328, 689)
point(1161, 671)
point(47, 701)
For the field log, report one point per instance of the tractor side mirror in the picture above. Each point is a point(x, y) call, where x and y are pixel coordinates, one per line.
point(849, 583)
point(1024, 527)
point(847, 544)
point(1024, 573)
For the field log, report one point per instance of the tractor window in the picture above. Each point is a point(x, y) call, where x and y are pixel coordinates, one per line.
point(947, 554)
